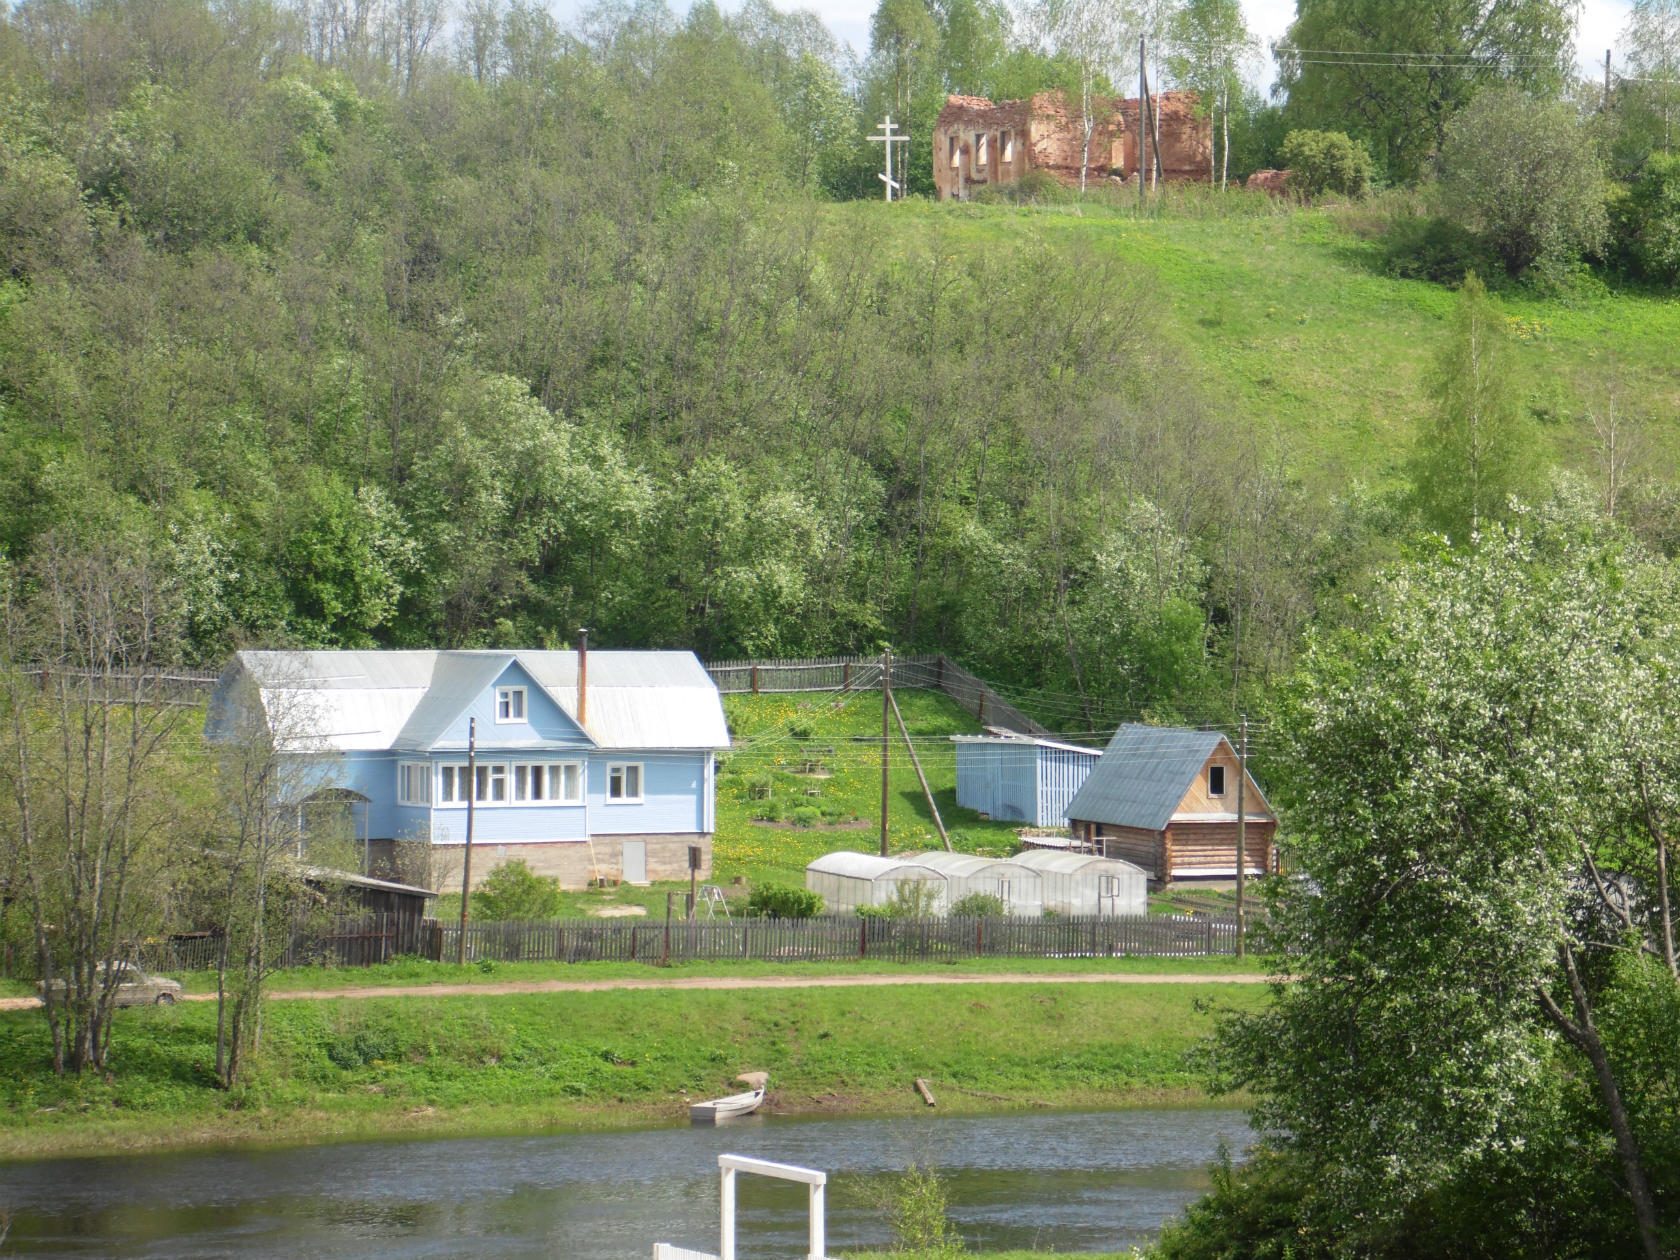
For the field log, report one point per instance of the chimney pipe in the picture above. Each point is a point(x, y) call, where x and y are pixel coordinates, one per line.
point(583, 677)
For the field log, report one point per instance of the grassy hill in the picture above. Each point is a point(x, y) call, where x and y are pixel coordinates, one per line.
point(1292, 318)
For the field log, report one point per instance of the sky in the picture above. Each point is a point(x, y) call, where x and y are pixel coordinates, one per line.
point(1600, 26)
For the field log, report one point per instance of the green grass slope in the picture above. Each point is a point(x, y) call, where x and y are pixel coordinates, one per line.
point(1291, 319)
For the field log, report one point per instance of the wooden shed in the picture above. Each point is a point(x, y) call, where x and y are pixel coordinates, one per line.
point(1165, 798)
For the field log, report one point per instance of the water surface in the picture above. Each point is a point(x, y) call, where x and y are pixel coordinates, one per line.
point(1084, 1181)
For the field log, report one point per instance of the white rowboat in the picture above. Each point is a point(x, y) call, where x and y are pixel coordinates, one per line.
point(726, 1108)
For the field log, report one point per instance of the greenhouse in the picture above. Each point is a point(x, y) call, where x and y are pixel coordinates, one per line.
point(1020, 888)
point(1084, 883)
point(847, 880)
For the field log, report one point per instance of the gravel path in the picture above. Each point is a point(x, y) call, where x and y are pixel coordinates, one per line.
point(716, 982)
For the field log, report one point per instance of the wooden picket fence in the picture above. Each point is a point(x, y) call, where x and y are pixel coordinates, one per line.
point(347, 940)
point(862, 673)
point(834, 939)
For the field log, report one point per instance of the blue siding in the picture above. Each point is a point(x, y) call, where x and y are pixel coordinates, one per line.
point(545, 723)
point(511, 824)
point(1020, 780)
point(676, 794)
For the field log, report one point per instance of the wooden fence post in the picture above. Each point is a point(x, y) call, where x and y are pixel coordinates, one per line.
point(755, 680)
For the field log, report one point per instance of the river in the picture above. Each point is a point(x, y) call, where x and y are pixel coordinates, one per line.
point(1063, 1181)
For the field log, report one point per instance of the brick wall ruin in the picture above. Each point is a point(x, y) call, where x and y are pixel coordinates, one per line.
point(978, 142)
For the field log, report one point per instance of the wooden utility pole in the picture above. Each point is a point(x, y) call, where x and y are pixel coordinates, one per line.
point(886, 731)
point(922, 778)
point(1143, 113)
point(1606, 80)
point(1242, 836)
point(466, 854)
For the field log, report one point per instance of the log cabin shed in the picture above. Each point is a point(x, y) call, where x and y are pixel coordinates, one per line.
point(847, 880)
point(1020, 778)
point(1020, 888)
point(1165, 798)
point(1087, 883)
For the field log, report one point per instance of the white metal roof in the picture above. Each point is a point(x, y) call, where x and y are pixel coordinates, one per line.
point(380, 700)
point(868, 866)
point(965, 865)
point(1062, 863)
point(1030, 740)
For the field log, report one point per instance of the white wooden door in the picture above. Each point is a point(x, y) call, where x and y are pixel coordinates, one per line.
point(634, 862)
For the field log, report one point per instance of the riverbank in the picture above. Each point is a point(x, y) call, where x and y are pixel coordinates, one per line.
point(429, 1065)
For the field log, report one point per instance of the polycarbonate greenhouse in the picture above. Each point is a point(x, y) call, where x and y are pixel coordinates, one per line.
point(1083, 883)
point(847, 880)
point(1020, 888)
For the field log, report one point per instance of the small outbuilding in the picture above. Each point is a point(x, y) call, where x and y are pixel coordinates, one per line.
point(847, 880)
point(1087, 883)
point(1020, 778)
point(1165, 798)
point(1020, 888)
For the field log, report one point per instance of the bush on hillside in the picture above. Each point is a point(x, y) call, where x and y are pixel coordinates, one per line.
point(1326, 161)
point(1527, 176)
point(777, 901)
point(980, 906)
point(1645, 223)
point(514, 891)
point(1427, 247)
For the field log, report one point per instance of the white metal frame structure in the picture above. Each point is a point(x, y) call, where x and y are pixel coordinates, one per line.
point(729, 1166)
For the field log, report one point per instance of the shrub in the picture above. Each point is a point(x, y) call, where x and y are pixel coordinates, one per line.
point(1526, 174)
point(920, 1215)
point(514, 891)
point(1422, 247)
point(800, 732)
point(1646, 222)
point(760, 786)
point(777, 901)
point(806, 816)
point(980, 906)
point(1327, 161)
point(911, 899)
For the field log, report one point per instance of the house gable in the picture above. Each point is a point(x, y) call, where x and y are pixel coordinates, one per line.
point(545, 724)
point(1200, 804)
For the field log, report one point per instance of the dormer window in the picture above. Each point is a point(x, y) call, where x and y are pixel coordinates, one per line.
point(1216, 780)
point(510, 704)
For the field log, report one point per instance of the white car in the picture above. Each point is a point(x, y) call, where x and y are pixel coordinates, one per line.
point(134, 986)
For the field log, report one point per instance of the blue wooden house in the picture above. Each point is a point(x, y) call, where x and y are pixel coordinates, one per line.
point(586, 765)
point(1019, 777)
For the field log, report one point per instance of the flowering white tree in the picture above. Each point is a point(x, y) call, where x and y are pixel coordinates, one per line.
point(1481, 792)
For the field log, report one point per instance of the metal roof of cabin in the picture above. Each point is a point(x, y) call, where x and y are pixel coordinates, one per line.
point(1142, 776)
point(372, 700)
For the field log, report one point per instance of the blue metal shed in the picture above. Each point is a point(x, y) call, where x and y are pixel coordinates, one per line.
point(1019, 777)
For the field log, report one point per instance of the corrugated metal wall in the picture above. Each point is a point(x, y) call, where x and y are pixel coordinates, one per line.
point(1061, 773)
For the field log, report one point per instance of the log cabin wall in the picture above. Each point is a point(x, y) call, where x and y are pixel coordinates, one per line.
point(1135, 845)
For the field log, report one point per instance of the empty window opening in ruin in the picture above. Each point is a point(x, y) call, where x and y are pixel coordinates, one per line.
point(980, 149)
point(956, 153)
point(1006, 147)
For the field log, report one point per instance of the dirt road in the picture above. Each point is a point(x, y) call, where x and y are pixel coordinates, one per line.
point(715, 982)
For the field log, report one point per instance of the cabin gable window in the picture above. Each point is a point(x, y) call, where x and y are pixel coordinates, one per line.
point(510, 704)
point(1216, 780)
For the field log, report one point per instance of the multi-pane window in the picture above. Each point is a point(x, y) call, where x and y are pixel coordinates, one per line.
point(491, 785)
point(510, 704)
point(414, 783)
point(558, 783)
point(624, 782)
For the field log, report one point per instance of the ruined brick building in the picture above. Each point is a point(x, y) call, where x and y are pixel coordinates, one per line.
point(977, 141)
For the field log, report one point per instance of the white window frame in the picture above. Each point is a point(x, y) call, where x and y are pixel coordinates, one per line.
point(527, 774)
point(1220, 791)
point(409, 775)
point(621, 769)
point(505, 700)
point(489, 775)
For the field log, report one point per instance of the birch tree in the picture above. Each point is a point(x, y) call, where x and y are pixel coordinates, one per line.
point(1653, 38)
point(1209, 43)
point(1095, 36)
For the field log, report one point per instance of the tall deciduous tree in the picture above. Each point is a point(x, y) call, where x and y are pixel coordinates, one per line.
point(1653, 39)
point(1480, 935)
point(1394, 72)
point(1478, 449)
point(1093, 35)
point(1209, 42)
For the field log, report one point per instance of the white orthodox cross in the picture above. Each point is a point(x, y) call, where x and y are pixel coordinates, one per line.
point(887, 140)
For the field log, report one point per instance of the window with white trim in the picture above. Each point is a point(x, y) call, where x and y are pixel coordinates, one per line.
point(624, 782)
point(548, 783)
point(452, 785)
point(1216, 780)
point(492, 784)
point(414, 783)
point(510, 704)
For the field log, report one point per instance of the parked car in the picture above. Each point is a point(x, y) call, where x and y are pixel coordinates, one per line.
point(134, 986)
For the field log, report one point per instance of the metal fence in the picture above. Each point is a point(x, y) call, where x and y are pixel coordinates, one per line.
point(860, 673)
point(835, 939)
